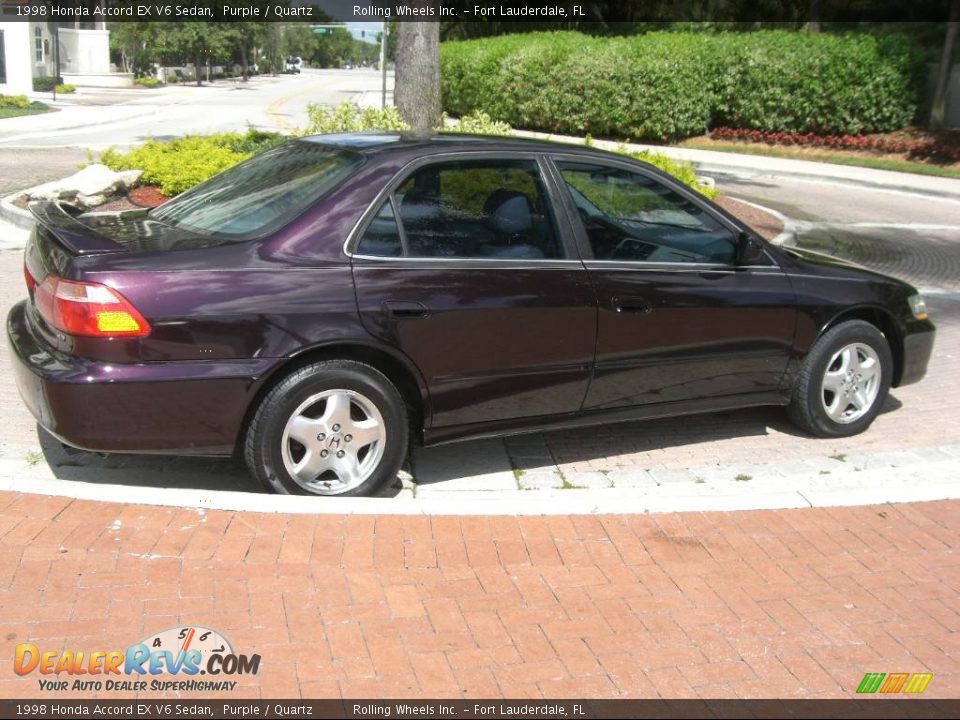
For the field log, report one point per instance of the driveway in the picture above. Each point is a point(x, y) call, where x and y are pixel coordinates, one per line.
point(744, 459)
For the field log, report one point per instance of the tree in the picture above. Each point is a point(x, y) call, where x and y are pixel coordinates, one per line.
point(298, 40)
point(334, 48)
point(417, 84)
point(136, 44)
point(194, 40)
point(939, 107)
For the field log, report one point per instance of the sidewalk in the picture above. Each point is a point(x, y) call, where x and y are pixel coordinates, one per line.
point(711, 162)
point(789, 604)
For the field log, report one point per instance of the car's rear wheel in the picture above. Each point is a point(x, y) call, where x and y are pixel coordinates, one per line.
point(336, 427)
point(844, 381)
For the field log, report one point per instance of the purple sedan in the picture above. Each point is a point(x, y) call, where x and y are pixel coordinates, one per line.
point(321, 306)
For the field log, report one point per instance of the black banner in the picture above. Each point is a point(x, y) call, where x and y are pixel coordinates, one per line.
point(516, 709)
point(530, 11)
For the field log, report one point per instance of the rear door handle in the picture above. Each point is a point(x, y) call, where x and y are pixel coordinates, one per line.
point(633, 304)
point(402, 309)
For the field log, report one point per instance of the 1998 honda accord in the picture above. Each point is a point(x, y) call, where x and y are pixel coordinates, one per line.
point(320, 305)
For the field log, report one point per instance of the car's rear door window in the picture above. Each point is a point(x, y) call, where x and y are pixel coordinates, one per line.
point(382, 236)
point(494, 209)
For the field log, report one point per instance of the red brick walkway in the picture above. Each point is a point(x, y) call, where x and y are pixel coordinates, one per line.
point(792, 603)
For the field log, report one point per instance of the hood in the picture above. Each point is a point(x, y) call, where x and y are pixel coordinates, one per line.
point(824, 265)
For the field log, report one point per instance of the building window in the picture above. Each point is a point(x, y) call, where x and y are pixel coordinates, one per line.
point(3, 60)
point(38, 44)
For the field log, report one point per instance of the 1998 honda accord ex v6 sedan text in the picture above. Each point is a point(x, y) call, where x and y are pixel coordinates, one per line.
point(320, 305)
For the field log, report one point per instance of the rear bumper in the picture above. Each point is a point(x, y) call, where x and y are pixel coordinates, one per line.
point(193, 407)
point(917, 349)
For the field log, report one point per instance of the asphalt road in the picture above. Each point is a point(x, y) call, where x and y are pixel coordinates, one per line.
point(36, 149)
point(914, 237)
point(98, 119)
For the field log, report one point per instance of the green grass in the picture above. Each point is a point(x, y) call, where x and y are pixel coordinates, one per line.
point(855, 159)
point(35, 109)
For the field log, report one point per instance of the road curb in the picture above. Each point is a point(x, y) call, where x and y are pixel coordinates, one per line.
point(715, 163)
point(18, 217)
point(816, 482)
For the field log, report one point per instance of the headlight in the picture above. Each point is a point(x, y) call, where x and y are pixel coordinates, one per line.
point(918, 306)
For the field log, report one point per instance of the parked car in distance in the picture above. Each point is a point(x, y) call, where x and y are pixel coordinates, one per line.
point(320, 306)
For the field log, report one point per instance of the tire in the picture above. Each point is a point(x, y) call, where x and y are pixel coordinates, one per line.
point(336, 427)
point(844, 381)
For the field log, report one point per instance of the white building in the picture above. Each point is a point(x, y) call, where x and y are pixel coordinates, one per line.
point(27, 52)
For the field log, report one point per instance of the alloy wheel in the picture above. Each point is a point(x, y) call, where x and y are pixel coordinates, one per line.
point(851, 383)
point(333, 441)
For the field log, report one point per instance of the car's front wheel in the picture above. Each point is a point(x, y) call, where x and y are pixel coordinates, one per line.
point(336, 427)
point(844, 381)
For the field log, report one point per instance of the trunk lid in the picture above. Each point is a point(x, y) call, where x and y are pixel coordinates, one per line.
point(84, 234)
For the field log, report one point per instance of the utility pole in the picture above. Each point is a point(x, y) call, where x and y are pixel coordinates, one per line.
point(383, 65)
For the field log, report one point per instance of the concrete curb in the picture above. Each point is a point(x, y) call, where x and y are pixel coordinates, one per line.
point(789, 234)
point(891, 477)
point(723, 164)
point(891, 485)
point(15, 216)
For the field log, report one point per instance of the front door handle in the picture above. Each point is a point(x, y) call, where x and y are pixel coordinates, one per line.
point(401, 309)
point(633, 304)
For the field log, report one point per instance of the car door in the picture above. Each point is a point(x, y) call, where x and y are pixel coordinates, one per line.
point(462, 265)
point(679, 319)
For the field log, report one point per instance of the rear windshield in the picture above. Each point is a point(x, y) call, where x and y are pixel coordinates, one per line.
point(261, 194)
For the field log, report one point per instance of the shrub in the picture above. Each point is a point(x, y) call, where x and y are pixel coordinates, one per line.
point(680, 169)
point(347, 117)
point(148, 82)
point(478, 123)
point(44, 84)
point(65, 88)
point(663, 86)
point(820, 83)
point(16, 102)
point(177, 165)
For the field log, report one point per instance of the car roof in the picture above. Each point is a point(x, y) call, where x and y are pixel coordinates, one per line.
point(381, 143)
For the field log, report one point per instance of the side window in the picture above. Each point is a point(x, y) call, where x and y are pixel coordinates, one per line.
point(477, 209)
point(631, 217)
point(382, 236)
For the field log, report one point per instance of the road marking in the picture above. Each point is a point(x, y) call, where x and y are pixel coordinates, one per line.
point(272, 111)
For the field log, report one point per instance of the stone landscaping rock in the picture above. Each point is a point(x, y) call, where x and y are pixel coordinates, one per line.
point(87, 188)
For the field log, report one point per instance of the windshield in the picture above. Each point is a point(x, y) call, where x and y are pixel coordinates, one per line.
point(261, 194)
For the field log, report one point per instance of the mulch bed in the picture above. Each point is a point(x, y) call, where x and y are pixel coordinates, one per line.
point(147, 196)
point(764, 223)
point(139, 198)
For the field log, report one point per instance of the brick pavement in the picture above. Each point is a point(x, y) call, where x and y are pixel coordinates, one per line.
point(787, 603)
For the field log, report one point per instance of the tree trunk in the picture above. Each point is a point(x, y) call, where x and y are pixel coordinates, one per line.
point(417, 83)
point(938, 110)
point(243, 59)
point(196, 68)
point(813, 22)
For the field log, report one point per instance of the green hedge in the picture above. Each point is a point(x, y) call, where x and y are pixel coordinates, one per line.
point(663, 86)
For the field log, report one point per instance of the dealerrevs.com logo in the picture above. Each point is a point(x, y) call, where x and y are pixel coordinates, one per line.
point(188, 652)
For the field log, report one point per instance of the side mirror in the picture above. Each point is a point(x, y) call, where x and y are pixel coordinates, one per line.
point(748, 250)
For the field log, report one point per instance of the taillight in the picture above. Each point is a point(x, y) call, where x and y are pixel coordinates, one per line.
point(90, 309)
point(29, 279)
